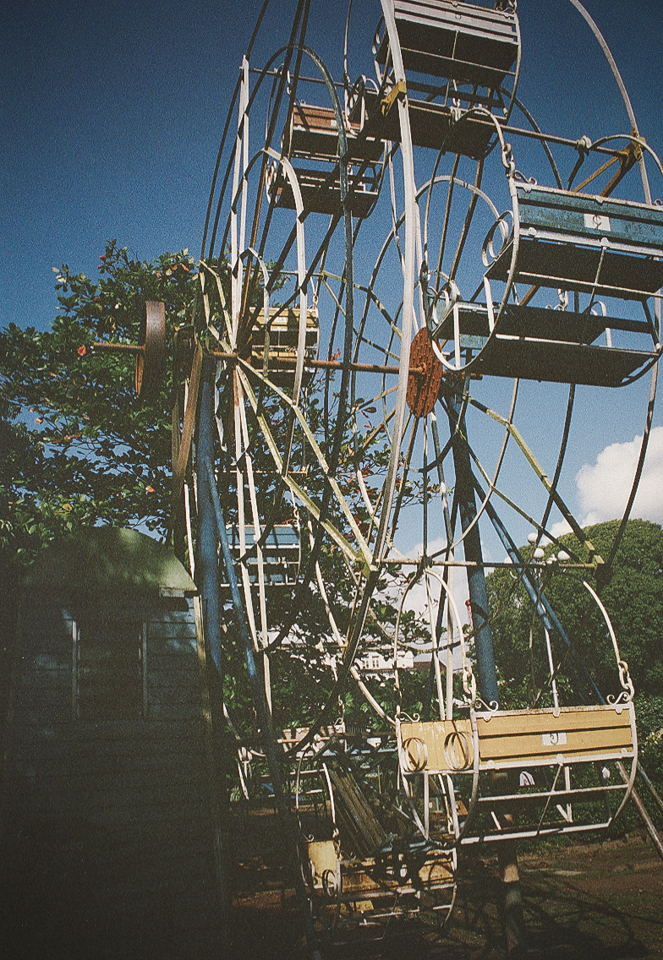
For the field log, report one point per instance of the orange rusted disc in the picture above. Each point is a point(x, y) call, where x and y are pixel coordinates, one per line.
point(425, 377)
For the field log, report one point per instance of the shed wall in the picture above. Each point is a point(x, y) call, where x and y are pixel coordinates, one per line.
point(107, 822)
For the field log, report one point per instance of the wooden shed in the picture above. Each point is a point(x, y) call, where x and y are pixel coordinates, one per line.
point(108, 823)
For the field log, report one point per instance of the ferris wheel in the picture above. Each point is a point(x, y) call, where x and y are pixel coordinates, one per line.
point(396, 250)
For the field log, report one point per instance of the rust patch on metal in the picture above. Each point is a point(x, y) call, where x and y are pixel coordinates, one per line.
point(425, 377)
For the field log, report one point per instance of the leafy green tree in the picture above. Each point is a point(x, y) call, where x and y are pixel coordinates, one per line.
point(88, 451)
point(78, 447)
point(632, 595)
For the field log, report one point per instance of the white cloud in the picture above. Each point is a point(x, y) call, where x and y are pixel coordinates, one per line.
point(558, 529)
point(604, 486)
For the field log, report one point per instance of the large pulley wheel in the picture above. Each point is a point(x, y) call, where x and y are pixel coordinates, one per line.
point(425, 376)
point(151, 358)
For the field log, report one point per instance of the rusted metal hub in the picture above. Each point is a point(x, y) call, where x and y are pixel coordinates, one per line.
point(425, 377)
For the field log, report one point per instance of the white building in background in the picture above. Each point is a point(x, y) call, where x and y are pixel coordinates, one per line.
point(416, 658)
point(376, 662)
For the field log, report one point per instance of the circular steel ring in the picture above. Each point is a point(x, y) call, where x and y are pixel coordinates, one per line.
point(415, 764)
point(329, 884)
point(458, 750)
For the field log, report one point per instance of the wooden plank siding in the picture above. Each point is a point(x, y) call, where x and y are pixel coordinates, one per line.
point(108, 831)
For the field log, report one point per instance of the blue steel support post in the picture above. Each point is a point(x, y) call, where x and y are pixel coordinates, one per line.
point(207, 579)
point(483, 641)
point(207, 561)
point(213, 535)
point(464, 494)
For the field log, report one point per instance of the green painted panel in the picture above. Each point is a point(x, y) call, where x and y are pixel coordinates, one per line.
point(106, 560)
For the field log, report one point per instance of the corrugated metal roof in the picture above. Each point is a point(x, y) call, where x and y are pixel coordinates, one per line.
point(109, 559)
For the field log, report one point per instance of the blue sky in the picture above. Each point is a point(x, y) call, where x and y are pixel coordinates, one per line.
point(111, 115)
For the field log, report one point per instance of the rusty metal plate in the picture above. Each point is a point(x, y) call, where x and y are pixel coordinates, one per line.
point(426, 371)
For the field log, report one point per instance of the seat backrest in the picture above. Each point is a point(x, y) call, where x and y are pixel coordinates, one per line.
point(284, 331)
point(515, 738)
point(313, 134)
point(552, 212)
point(358, 819)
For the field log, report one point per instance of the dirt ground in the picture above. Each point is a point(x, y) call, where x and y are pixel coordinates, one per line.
point(598, 901)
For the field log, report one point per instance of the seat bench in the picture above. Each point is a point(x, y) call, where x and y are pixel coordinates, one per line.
point(557, 747)
point(459, 41)
point(311, 143)
point(536, 343)
point(585, 243)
